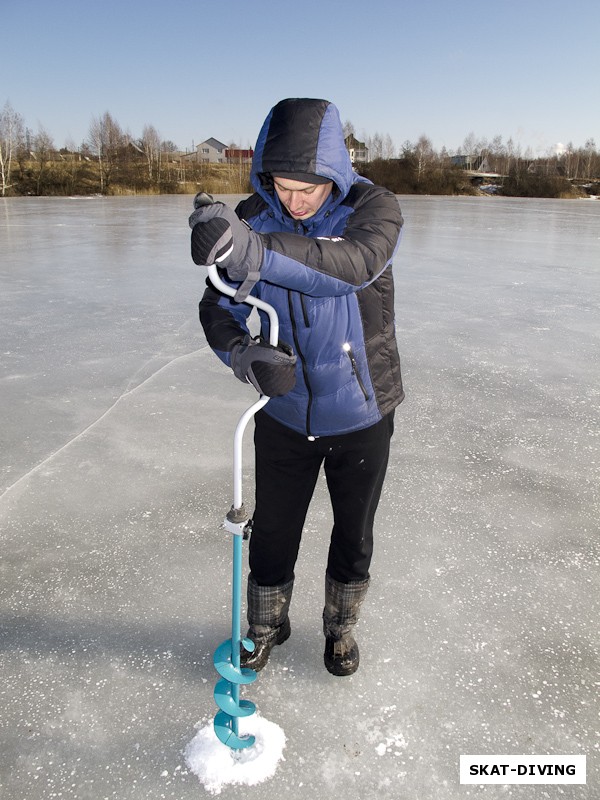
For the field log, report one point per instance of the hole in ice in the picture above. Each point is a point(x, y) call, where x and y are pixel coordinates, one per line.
point(216, 765)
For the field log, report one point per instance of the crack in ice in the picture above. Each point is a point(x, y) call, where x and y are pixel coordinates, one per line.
point(127, 393)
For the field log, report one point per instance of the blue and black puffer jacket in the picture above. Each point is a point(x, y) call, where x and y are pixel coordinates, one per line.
point(329, 278)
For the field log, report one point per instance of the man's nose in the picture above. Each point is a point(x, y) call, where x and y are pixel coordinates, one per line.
point(295, 200)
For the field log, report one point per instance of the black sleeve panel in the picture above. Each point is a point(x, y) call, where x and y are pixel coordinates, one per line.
point(250, 207)
point(359, 251)
point(221, 328)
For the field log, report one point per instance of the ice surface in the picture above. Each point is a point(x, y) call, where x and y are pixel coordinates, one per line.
point(480, 633)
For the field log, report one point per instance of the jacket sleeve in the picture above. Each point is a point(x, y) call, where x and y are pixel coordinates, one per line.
point(347, 260)
point(224, 321)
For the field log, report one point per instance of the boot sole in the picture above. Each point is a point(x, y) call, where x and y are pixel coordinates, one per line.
point(340, 672)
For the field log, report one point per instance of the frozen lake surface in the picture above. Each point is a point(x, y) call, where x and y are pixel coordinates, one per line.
point(480, 633)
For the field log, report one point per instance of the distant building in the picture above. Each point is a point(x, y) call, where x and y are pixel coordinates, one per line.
point(212, 151)
point(471, 163)
point(359, 152)
point(234, 155)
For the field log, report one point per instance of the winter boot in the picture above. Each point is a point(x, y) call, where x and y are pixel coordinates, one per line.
point(269, 622)
point(340, 615)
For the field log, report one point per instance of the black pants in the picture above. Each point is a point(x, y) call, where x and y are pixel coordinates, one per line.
point(287, 467)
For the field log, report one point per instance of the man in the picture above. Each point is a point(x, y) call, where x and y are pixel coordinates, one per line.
point(318, 246)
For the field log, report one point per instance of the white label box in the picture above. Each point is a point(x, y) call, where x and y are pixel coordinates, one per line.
point(522, 769)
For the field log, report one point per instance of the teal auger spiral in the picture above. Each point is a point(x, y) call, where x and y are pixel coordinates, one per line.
point(227, 664)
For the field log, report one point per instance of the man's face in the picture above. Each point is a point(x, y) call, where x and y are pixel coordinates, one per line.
point(302, 200)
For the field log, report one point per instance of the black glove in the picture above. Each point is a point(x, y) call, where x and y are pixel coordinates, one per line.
point(270, 369)
point(239, 250)
point(212, 241)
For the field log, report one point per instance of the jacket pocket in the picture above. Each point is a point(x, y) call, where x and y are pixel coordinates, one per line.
point(355, 371)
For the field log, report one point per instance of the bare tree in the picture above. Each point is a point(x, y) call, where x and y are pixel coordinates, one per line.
point(424, 154)
point(388, 148)
point(96, 142)
point(151, 146)
point(590, 157)
point(407, 148)
point(569, 160)
point(11, 137)
point(42, 149)
point(375, 145)
point(105, 140)
point(497, 154)
point(469, 145)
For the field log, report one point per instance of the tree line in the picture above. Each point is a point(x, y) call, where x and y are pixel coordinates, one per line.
point(112, 161)
point(504, 168)
point(109, 161)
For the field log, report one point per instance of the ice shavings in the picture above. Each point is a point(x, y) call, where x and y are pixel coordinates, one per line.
point(392, 744)
point(216, 765)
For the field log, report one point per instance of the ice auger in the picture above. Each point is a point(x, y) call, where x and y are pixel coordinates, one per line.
point(227, 655)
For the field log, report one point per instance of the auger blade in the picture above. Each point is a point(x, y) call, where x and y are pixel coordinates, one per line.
point(223, 665)
point(222, 726)
point(226, 702)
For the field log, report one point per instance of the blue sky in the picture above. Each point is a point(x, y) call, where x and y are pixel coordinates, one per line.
point(521, 69)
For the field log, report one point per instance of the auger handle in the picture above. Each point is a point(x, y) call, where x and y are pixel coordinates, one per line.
point(204, 199)
point(225, 288)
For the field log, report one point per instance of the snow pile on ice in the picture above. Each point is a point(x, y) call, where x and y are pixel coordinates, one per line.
point(216, 765)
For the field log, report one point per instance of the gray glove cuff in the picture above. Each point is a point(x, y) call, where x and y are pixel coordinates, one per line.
point(238, 364)
point(253, 260)
point(245, 267)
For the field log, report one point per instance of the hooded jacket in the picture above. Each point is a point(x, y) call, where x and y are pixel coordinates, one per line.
point(329, 277)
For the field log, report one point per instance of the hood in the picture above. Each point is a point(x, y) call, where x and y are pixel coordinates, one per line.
point(302, 135)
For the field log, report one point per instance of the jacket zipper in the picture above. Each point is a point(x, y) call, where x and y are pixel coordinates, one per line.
point(303, 231)
point(304, 312)
point(355, 371)
point(303, 362)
